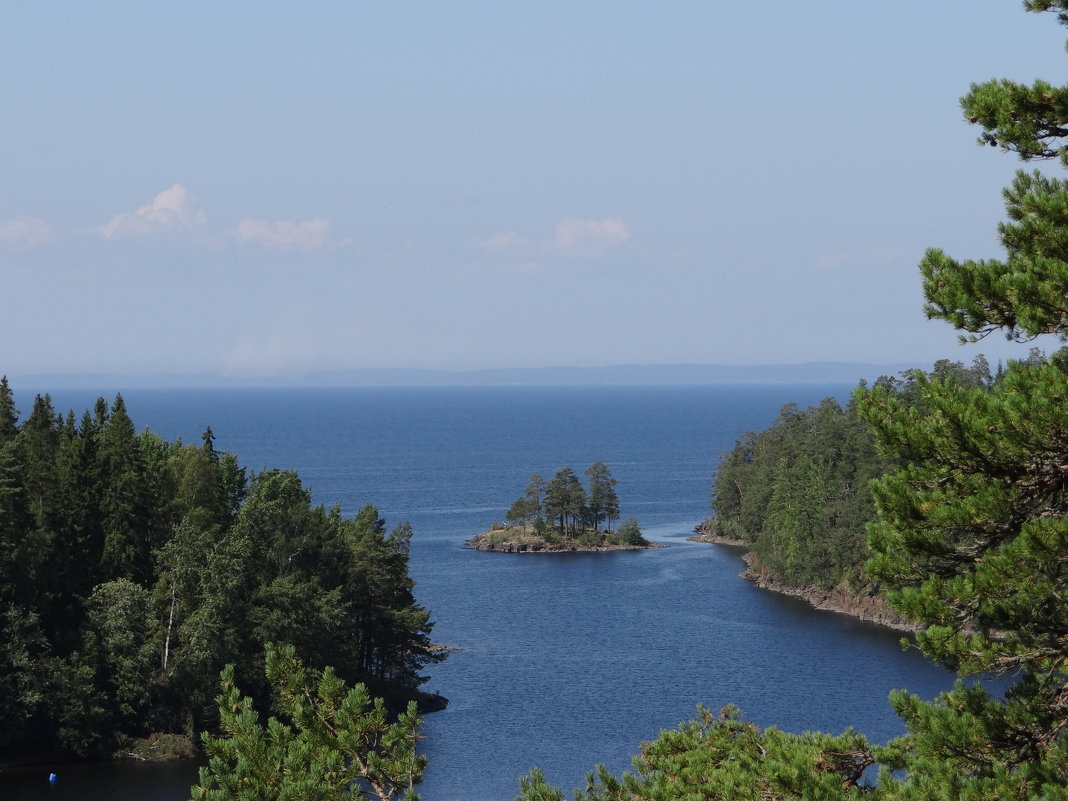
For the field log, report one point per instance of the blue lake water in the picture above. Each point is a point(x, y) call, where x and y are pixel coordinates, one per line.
point(565, 660)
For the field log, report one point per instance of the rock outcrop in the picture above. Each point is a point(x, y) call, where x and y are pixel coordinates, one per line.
point(869, 605)
point(525, 543)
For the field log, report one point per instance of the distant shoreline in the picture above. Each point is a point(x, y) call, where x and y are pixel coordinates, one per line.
point(609, 375)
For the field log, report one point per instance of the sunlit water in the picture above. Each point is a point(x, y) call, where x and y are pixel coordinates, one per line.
point(565, 660)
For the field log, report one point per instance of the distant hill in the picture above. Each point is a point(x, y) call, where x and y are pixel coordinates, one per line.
point(811, 372)
point(619, 374)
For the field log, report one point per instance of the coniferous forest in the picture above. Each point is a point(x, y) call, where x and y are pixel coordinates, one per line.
point(132, 570)
point(798, 494)
point(968, 531)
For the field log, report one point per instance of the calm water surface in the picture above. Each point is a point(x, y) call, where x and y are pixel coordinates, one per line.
point(565, 660)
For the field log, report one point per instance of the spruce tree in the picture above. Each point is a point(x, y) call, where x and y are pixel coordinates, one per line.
point(36, 447)
point(33, 537)
point(126, 500)
point(9, 415)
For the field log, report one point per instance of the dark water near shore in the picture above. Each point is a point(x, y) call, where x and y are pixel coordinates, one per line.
point(566, 660)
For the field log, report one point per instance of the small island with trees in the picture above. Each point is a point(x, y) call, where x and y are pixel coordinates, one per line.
point(561, 515)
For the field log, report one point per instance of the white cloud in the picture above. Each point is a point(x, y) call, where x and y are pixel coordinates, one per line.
point(25, 231)
point(284, 234)
point(500, 243)
point(170, 209)
point(589, 237)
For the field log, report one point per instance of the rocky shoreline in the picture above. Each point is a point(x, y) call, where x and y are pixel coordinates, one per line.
point(485, 541)
point(701, 535)
point(869, 606)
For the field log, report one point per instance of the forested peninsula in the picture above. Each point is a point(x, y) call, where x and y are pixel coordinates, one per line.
point(133, 570)
point(797, 496)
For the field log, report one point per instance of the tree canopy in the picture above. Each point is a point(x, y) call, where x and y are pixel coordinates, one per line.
point(563, 507)
point(797, 494)
point(331, 742)
point(1023, 294)
point(971, 535)
point(133, 569)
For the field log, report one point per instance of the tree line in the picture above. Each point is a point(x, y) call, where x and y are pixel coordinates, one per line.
point(133, 569)
point(799, 492)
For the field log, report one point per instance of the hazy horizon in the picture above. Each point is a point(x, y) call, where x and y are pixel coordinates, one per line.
point(250, 190)
point(558, 375)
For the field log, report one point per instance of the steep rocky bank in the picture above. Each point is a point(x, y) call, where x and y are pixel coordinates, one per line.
point(866, 605)
point(703, 534)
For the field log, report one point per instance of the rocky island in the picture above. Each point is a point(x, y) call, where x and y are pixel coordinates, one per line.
point(560, 515)
point(525, 539)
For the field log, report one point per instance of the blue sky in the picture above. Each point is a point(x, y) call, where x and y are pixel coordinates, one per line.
point(262, 189)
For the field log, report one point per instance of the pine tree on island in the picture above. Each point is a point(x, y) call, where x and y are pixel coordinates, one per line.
point(603, 501)
point(566, 502)
point(562, 514)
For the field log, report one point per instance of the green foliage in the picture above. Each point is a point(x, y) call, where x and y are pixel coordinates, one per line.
point(535, 491)
point(972, 529)
point(590, 538)
point(36, 446)
point(971, 532)
point(543, 529)
point(126, 499)
point(26, 665)
point(566, 504)
point(565, 501)
point(120, 629)
point(1022, 294)
point(9, 415)
point(972, 539)
point(521, 512)
point(331, 742)
point(723, 757)
point(797, 493)
point(603, 501)
point(400, 537)
point(159, 747)
point(133, 569)
point(629, 533)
